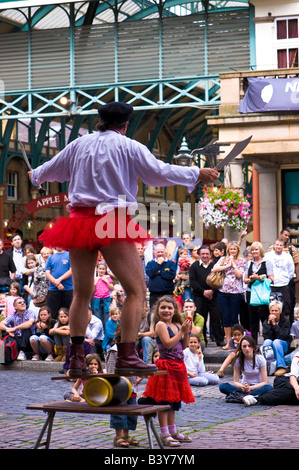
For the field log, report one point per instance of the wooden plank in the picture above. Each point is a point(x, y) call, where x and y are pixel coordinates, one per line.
point(127, 374)
point(84, 407)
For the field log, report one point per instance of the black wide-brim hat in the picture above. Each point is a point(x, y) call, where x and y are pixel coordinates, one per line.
point(115, 112)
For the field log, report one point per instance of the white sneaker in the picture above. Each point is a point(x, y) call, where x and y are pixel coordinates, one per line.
point(49, 358)
point(35, 357)
point(21, 356)
point(249, 400)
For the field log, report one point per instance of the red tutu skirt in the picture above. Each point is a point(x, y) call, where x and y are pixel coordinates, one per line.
point(86, 230)
point(172, 387)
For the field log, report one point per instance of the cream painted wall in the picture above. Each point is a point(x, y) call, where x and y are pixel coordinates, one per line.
point(265, 30)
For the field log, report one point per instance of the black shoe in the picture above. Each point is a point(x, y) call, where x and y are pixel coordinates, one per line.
point(221, 343)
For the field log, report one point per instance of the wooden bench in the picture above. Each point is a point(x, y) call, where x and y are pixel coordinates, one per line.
point(147, 411)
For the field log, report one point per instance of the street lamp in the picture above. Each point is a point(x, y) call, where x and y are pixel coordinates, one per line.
point(183, 158)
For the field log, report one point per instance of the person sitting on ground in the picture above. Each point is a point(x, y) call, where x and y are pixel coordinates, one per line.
point(20, 325)
point(61, 334)
point(250, 373)
point(285, 389)
point(194, 361)
point(42, 342)
point(276, 333)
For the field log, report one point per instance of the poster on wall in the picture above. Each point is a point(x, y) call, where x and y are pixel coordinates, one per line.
point(270, 94)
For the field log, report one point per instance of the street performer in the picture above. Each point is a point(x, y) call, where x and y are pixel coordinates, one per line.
point(102, 169)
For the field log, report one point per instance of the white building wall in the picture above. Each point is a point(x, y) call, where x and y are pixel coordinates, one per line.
point(265, 30)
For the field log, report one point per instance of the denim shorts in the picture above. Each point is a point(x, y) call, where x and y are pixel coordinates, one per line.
point(37, 338)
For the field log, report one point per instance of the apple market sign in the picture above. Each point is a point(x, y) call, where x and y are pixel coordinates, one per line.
point(271, 94)
point(35, 205)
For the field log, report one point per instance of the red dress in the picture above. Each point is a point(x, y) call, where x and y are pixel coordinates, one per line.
point(172, 387)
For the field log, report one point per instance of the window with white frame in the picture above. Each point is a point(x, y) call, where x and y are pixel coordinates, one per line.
point(287, 42)
point(12, 180)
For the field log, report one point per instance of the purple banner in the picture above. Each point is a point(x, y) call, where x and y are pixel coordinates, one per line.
point(270, 94)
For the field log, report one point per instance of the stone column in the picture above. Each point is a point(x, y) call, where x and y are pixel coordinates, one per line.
point(268, 203)
point(233, 178)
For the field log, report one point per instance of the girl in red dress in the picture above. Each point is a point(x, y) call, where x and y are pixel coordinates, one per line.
point(172, 388)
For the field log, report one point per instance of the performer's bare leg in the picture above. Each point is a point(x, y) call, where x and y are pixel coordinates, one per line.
point(124, 261)
point(83, 265)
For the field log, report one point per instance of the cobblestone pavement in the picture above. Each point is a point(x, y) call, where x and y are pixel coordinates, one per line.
point(211, 422)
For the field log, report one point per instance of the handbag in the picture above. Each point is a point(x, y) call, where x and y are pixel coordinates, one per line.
point(260, 293)
point(215, 279)
point(40, 301)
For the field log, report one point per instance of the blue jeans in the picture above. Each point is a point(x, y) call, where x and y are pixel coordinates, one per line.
point(280, 348)
point(145, 341)
point(123, 421)
point(228, 388)
point(230, 308)
point(101, 309)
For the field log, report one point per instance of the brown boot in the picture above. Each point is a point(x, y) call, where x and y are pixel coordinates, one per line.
point(77, 361)
point(63, 354)
point(58, 358)
point(128, 361)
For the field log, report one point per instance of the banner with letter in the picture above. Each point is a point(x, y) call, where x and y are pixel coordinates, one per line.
point(271, 94)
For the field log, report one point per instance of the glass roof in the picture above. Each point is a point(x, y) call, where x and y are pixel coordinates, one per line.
point(48, 14)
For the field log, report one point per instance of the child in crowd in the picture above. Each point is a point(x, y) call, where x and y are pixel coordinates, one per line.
point(31, 263)
point(182, 285)
point(122, 424)
point(94, 366)
point(42, 342)
point(3, 306)
point(189, 309)
point(111, 325)
point(172, 335)
point(194, 362)
point(61, 334)
point(14, 293)
point(102, 298)
point(237, 334)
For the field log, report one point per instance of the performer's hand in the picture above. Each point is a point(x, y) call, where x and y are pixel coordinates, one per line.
point(29, 174)
point(207, 175)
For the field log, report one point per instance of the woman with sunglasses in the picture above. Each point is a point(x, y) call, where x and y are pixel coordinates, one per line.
point(19, 325)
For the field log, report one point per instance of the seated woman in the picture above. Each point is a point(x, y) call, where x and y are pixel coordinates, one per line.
point(285, 389)
point(276, 333)
point(250, 372)
point(42, 341)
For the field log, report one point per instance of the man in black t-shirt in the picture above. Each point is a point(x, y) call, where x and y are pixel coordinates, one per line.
point(7, 267)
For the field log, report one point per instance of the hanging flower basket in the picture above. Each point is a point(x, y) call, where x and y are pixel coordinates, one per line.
point(224, 206)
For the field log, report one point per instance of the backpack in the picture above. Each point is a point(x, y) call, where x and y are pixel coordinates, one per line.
point(8, 345)
point(268, 353)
